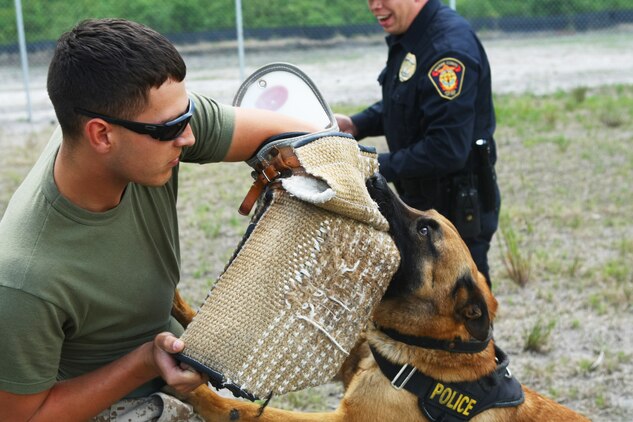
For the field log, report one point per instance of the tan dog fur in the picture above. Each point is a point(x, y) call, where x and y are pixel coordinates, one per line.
point(422, 300)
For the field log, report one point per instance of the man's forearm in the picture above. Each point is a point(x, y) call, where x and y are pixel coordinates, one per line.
point(369, 121)
point(254, 126)
point(83, 397)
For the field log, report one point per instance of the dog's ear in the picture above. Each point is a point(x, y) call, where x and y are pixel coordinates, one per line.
point(477, 320)
point(470, 307)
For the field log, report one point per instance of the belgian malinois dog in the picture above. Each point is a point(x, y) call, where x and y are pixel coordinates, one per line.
point(428, 354)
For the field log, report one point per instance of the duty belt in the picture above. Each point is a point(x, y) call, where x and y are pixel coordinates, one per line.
point(425, 187)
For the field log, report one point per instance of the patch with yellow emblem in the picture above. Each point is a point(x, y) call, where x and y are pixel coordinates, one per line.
point(447, 76)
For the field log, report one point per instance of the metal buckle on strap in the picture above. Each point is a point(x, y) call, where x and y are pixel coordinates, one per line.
point(281, 162)
point(274, 173)
point(405, 381)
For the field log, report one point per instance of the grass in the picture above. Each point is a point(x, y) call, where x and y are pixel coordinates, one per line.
point(517, 265)
point(565, 169)
point(538, 336)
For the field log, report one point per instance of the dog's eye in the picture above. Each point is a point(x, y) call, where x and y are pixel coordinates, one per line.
point(427, 226)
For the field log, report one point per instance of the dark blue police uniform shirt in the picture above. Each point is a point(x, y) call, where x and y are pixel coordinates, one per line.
point(430, 126)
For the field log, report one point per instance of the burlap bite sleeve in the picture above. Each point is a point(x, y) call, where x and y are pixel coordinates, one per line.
point(304, 281)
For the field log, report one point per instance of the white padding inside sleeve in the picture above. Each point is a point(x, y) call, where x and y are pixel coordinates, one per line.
point(308, 189)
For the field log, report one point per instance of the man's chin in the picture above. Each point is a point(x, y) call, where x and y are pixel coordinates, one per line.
point(157, 182)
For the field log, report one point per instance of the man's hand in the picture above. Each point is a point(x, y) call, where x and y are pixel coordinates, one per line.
point(180, 377)
point(345, 124)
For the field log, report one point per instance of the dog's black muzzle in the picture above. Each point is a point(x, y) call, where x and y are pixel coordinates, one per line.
point(389, 204)
point(380, 192)
point(406, 279)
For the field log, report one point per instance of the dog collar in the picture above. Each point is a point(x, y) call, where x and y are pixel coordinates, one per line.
point(454, 346)
point(455, 401)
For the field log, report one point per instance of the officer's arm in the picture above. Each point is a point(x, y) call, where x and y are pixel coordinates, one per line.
point(369, 121)
point(443, 148)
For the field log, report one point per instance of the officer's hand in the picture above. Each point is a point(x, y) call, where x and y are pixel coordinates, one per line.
point(345, 124)
point(180, 377)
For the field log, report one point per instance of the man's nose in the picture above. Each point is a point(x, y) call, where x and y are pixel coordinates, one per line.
point(374, 4)
point(186, 138)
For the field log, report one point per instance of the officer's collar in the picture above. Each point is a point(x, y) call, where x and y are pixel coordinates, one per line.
point(417, 28)
point(455, 401)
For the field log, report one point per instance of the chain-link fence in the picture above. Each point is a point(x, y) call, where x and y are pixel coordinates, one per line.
point(197, 21)
point(205, 28)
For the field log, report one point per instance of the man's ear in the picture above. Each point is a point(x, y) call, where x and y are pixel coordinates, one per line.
point(99, 134)
point(471, 307)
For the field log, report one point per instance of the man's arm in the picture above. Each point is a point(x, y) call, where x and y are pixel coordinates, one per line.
point(254, 126)
point(346, 125)
point(440, 131)
point(83, 397)
point(365, 123)
point(368, 122)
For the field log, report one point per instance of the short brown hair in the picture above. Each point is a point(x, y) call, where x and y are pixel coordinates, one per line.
point(108, 66)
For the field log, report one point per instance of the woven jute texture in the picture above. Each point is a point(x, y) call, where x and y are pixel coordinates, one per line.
point(345, 168)
point(302, 286)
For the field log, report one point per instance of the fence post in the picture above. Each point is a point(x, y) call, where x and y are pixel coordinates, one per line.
point(452, 5)
point(23, 59)
point(240, 37)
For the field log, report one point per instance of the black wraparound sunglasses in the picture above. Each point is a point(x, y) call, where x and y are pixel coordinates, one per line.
point(162, 131)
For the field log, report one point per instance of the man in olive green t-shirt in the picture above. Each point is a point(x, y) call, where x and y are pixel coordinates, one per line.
point(89, 244)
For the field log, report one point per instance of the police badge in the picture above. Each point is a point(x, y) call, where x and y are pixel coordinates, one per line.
point(447, 76)
point(407, 68)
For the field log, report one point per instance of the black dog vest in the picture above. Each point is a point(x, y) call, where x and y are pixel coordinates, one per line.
point(456, 401)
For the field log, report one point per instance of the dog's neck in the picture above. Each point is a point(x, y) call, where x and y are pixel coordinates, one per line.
point(439, 400)
point(438, 364)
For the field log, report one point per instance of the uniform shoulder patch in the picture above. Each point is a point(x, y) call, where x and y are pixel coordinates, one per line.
point(447, 75)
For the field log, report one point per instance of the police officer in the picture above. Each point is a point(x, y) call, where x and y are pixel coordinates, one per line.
point(438, 118)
